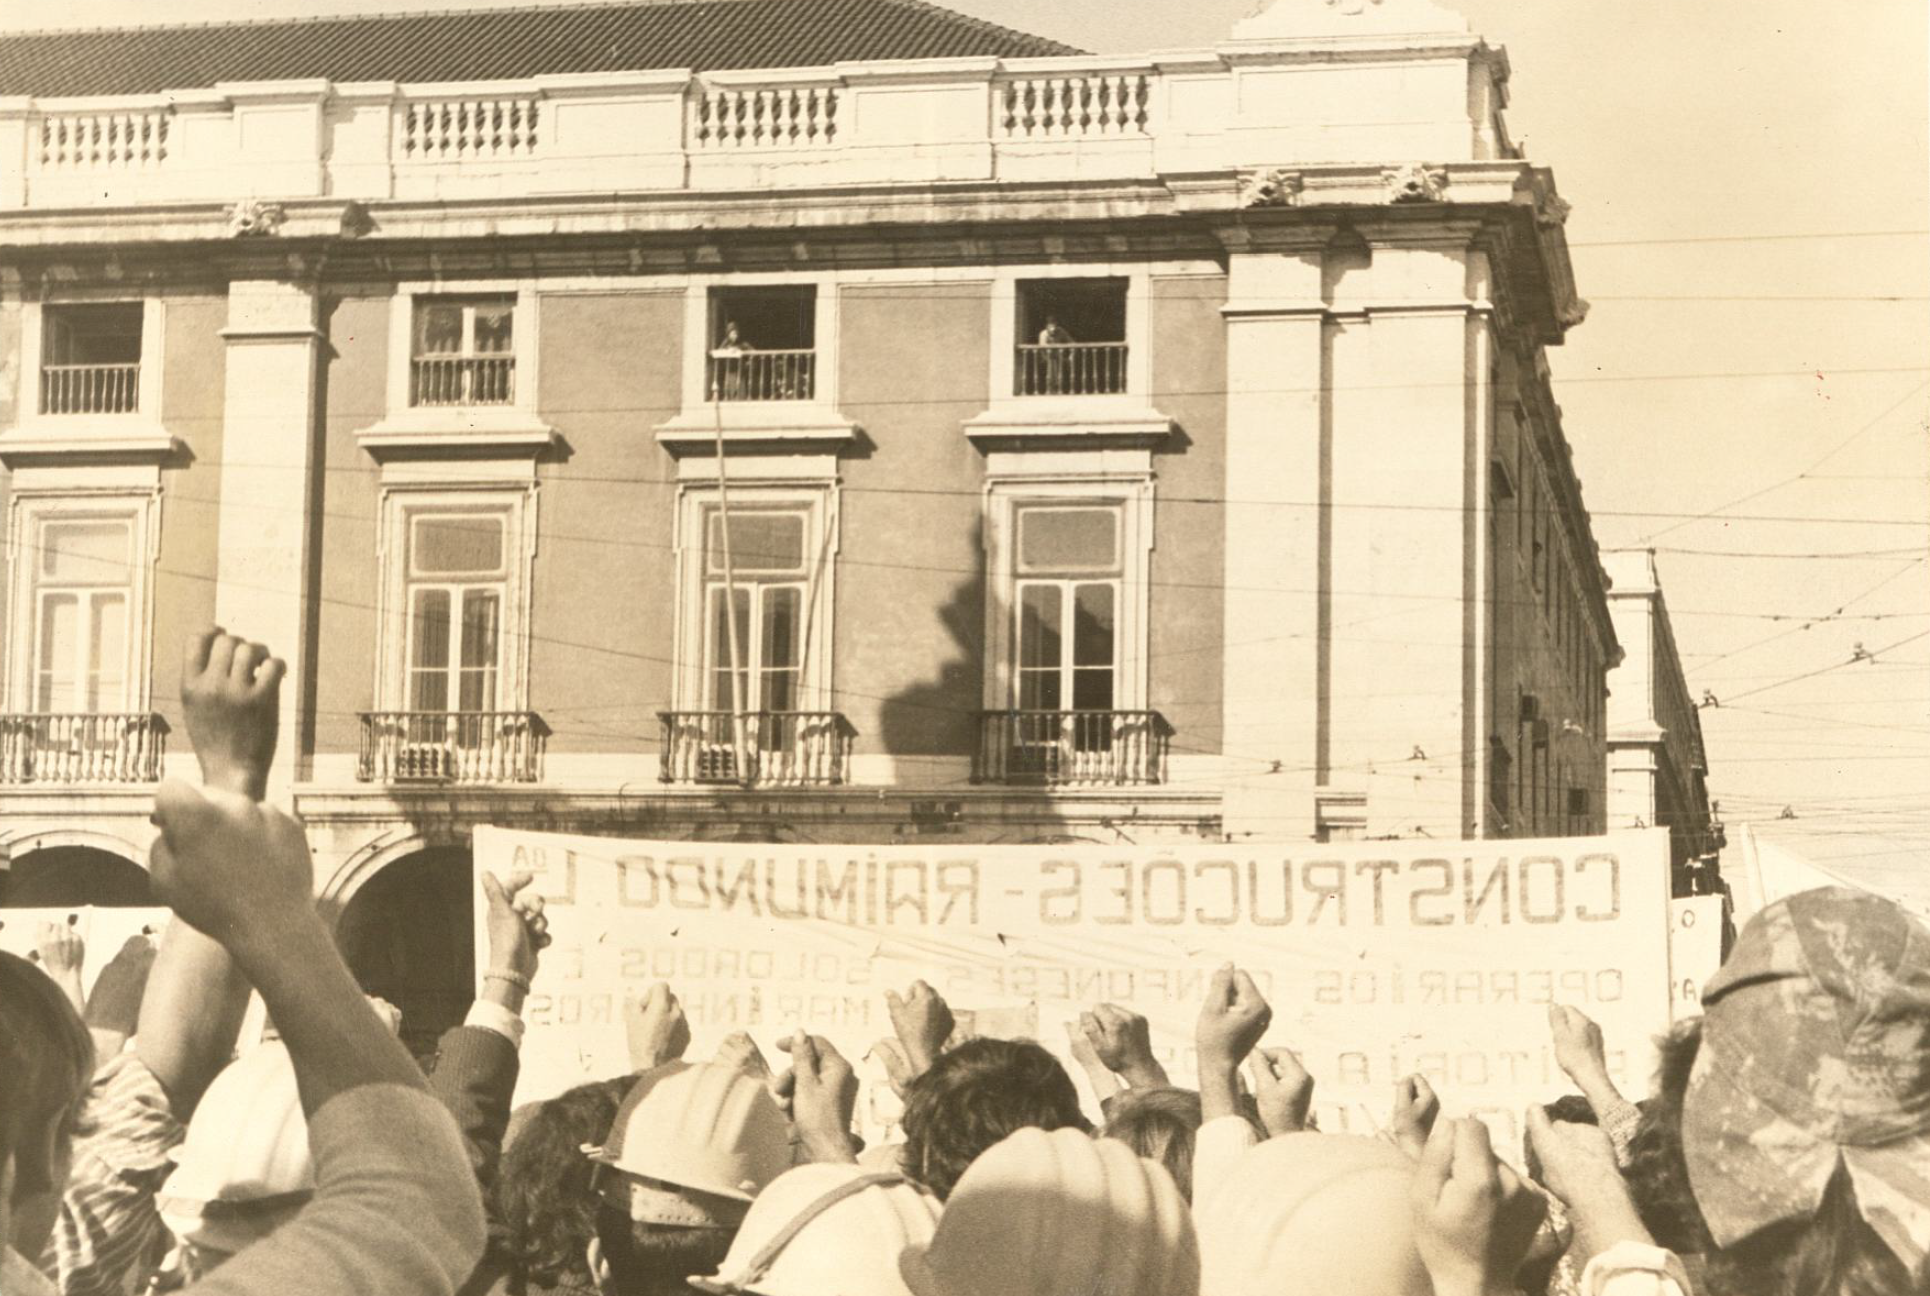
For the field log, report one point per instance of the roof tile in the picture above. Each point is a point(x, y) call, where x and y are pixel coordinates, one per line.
point(490, 44)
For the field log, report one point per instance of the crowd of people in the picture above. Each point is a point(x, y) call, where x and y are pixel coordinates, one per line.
point(1784, 1149)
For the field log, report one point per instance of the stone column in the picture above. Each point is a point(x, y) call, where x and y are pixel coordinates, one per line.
point(1274, 474)
point(268, 466)
point(1408, 501)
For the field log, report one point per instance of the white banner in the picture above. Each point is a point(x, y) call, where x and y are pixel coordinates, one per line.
point(103, 929)
point(1695, 951)
point(1379, 958)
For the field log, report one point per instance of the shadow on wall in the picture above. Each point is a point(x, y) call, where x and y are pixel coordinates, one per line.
point(940, 717)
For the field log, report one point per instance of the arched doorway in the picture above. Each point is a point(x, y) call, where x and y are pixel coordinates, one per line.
point(408, 935)
point(62, 876)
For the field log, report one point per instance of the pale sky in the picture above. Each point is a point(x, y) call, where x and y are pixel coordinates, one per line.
point(1752, 224)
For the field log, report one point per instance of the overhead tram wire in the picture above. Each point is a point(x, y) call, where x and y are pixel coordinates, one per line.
point(1831, 453)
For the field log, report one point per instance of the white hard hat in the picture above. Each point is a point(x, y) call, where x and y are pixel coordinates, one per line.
point(1047, 1214)
point(246, 1154)
point(826, 1230)
point(700, 1126)
point(1311, 1214)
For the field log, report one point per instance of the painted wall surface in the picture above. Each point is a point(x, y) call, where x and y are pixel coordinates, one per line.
point(12, 364)
point(194, 363)
point(14, 367)
point(1187, 607)
point(909, 623)
point(354, 382)
point(604, 595)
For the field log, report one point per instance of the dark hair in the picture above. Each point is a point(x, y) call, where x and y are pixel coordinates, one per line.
point(544, 1209)
point(1833, 1252)
point(47, 1057)
point(657, 1259)
point(1573, 1109)
point(1159, 1124)
point(975, 1095)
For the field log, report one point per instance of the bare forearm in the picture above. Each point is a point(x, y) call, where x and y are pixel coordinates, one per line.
point(195, 1001)
point(336, 1042)
point(69, 983)
point(1600, 1223)
point(1219, 1089)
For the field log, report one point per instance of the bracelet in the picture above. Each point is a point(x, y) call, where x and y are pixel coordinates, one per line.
point(510, 975)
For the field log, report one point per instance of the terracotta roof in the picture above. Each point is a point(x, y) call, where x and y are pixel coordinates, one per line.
point(487, 44)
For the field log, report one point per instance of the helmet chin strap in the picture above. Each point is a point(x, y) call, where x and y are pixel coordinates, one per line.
point(599, 1268)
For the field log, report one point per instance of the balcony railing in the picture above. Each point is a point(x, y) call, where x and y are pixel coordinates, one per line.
point(90, 388)
point(756, 748)
point(462, 380)
point(451, 747)
point(762, 375)
point(72, 748)
point(1072, 748)
point(1070, 369)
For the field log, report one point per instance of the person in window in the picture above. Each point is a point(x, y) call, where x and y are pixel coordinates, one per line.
point(1057, 368)
point(729, 354)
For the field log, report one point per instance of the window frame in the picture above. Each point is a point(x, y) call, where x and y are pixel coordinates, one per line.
point(29, 513)
point(401, 505)
point(1004, 334)
point(697, 405)
point(524, 324)
point(1005, 499)
point(697, 502)
point(33, 350)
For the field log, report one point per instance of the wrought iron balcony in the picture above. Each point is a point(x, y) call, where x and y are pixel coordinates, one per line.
point(451, 747)
point(90, 388)
point(76, 748)
point(756, 748)
point(1070, 369)
point(762, 375)
point(462, 380)
point(1072, 748)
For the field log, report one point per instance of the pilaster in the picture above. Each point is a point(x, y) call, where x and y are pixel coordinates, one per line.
point(1275, 471)
point(268, 466)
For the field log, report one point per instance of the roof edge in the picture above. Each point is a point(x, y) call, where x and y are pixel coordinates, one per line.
point(472, 10)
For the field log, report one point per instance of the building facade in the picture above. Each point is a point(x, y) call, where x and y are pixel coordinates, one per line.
point(845, 422)
point(1658, 770)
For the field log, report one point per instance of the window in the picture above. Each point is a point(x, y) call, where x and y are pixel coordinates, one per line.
point(462, 351)
point(90, 358)
point(756, 568)
point(1071, 337)
point(457, 582)
point(1067, 604)
point(762, 343)
point(83, 592)
point(753, 693)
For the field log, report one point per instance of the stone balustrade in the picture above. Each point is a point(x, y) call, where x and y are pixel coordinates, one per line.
point(1436, 101)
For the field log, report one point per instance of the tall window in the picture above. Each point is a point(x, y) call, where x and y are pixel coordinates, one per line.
point(1067, 593)
point(762, 606)
point(462, 351)
point(82, 592)
point(457, 581)
point(90, 360)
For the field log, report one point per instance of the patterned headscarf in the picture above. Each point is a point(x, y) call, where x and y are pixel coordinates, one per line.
point(1816, 1053)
